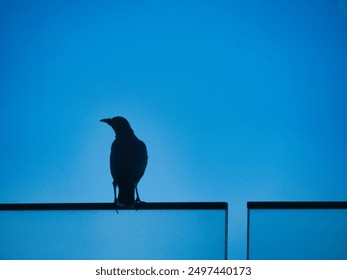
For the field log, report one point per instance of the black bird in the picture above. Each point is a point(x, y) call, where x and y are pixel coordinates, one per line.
point(128, 161)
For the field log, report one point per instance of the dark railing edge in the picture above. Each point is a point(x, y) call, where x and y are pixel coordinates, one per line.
point(112, 206)
point(297, 205)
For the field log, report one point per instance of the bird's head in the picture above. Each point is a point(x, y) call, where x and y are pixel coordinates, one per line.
point(119, 124)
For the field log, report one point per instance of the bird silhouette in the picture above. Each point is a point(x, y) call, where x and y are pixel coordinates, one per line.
point(128, 161)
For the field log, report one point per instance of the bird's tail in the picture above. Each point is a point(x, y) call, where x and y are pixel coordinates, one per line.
point(126, 195)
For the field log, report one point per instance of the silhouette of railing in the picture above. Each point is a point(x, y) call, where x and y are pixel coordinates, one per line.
point(173, 230)
point(297, 230)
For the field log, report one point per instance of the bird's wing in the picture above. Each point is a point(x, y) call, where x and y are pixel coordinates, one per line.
point(136, 160)
point(142, 158)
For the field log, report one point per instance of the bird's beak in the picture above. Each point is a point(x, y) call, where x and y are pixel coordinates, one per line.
point(106, 121)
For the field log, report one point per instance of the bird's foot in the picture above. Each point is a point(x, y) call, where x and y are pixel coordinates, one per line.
point(137, 203)
point(116, 205)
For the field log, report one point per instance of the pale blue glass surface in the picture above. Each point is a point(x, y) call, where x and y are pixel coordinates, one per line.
point(298, 234)
point(104, 234)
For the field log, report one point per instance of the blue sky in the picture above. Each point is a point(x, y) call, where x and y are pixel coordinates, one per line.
point(236, 100)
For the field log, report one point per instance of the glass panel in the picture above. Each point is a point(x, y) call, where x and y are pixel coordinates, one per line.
point(299, 234)
point(104, 234)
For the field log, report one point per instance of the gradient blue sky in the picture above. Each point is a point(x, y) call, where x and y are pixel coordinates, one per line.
point(236, 100)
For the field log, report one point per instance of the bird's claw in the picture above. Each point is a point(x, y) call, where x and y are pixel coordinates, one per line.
point(137, 203)
point(116, 205)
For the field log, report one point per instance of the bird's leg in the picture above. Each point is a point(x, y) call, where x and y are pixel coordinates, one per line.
point(115, 197)
point(116, 204)
point(137, 200)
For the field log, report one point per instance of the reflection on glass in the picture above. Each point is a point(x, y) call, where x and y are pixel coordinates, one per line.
point(301, 234)
point(104, 234)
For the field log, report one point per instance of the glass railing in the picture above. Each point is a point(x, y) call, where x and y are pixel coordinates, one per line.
point(297, 230)
point(96, 231)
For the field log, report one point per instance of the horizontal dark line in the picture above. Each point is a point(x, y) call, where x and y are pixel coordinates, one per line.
point(298, 205)
point(112, 206)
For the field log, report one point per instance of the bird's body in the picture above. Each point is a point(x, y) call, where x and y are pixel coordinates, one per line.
point(128, 161)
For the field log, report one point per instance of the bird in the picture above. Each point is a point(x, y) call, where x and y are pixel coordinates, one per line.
point(128, 161)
